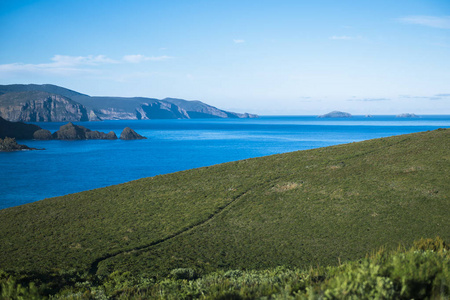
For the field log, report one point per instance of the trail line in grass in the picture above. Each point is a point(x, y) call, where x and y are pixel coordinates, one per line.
point(94, 266)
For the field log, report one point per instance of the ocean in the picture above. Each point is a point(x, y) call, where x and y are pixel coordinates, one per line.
point(174, 145)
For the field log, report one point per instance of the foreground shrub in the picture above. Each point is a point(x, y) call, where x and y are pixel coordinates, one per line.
point(423, 272)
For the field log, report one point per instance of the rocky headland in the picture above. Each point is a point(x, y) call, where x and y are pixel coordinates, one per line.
point(51, 103)
point(17, 130)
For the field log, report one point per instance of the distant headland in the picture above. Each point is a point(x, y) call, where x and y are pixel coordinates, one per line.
point(51, 103)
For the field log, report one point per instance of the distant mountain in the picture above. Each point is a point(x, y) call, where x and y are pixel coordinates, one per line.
point(336, 114)
point(47, 103)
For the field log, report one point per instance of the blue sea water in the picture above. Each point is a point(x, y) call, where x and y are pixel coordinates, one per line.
point(173, 145)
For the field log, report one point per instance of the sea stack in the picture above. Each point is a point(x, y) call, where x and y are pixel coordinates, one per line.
point(130, 134)
point(76, 132)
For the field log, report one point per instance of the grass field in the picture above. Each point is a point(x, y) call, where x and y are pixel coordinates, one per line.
point(317, 207)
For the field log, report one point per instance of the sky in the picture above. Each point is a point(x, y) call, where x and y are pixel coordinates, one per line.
point(277, 57)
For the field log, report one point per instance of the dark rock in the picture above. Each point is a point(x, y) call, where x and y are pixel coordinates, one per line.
point(76, 132)
point(42, 134)
point(130, 134)
point(70, 132)
point(111, 135)
point(10, 144)
point(97, 135)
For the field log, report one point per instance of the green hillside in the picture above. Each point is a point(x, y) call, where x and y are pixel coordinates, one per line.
point(299, 209)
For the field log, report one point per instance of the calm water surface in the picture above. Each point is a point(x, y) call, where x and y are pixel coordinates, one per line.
point(173, 145)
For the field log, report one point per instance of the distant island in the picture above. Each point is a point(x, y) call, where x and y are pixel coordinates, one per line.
point(336, 114)
point(51, 103)
point(407, 115)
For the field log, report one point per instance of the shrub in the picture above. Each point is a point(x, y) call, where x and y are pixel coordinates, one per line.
point(183, 273)
point(436, 244)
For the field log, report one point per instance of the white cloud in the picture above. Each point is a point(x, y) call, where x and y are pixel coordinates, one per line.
point(239, 41)
point(430, 21)
point(138, 58)
point(65, 60)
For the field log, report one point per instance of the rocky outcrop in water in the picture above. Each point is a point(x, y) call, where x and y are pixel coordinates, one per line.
point(10, 144)
point(75, 132)
point(130, 134)
point(42, 134)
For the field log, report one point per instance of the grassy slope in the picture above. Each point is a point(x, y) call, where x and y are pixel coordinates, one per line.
point(297, 209)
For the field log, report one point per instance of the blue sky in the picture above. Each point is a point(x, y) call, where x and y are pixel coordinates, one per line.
point(265, 57)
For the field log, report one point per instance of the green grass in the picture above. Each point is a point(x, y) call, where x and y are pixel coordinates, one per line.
point(299, 209)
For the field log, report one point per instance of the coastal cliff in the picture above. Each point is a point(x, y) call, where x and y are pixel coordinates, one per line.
point(50, 103)
point(37, 106)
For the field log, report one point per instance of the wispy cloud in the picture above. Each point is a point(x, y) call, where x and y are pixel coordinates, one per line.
point(430, 21)
point(66, 65)
point(238, 41)
point(91, 60)
point(138, 58)
point(433, 98)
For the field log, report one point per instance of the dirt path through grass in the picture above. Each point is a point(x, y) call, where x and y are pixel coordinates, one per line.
point(94, 266)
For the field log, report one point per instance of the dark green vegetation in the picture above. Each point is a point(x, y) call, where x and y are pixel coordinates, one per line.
point(301, 209)
point(51, 103)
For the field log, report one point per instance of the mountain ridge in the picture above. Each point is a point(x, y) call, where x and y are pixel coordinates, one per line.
point(18, 102)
